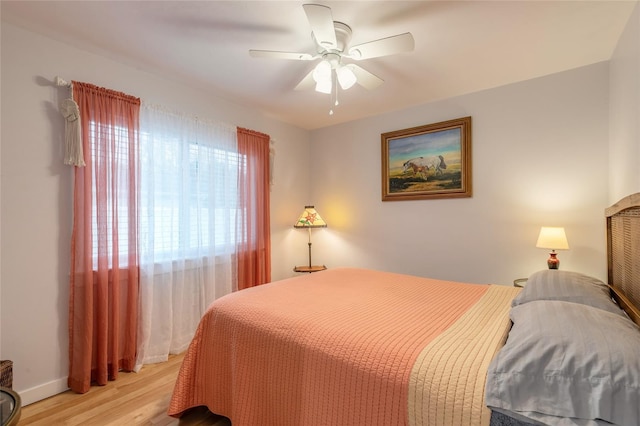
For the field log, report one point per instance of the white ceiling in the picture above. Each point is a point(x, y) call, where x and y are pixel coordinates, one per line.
point(461, 47)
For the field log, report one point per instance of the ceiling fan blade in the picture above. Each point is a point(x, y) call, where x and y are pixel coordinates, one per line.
point(307, 83)
point(383, 47)
point(281, 55)
point(365, 78)
point(321, 22)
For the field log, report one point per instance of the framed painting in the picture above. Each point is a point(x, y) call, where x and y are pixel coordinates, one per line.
point(427, 162)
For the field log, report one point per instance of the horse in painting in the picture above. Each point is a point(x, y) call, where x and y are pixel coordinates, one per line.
point(421, 165)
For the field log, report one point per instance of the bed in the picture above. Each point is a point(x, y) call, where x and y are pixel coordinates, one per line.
point(361, 347)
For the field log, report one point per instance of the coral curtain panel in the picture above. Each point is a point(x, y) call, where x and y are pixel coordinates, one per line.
point(104, 247)
point(254, 251)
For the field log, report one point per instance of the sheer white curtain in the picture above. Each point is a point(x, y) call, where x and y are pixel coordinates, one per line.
point(188, 204)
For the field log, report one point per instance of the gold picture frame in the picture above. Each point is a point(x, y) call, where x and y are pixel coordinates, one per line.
point(427, 162)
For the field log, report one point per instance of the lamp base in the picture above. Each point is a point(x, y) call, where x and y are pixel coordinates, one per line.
point(315, 268)
point(553, 262)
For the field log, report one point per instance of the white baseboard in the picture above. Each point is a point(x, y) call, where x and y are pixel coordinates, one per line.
point(38, 393)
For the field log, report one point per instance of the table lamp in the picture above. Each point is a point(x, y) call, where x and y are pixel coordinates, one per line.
point(310, 219)
point(553, 238)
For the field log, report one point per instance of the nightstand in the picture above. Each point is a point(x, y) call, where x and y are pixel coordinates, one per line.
point(520, 282)
point(309, 269)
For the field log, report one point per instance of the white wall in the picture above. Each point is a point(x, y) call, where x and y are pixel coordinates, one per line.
point(624, 116)
point(539, 154)
point(36, 192)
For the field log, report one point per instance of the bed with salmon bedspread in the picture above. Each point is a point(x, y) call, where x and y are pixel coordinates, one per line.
point(354, 347)
point(347, 347)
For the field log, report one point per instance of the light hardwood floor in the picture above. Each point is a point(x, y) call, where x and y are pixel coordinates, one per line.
point(133, 399)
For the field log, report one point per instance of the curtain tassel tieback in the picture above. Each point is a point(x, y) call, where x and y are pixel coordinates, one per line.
point(73, 138)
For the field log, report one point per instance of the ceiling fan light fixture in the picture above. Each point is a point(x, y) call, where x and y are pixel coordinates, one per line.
point(322, 77)
point(322, 71)
point(324, 86)
point(346, 77)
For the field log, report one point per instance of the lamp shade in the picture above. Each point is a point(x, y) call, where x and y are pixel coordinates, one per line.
point(552, 238)
point(310, 219)
point(322, 76)
point(322, 71)
point(324, 86)
point(346, 77)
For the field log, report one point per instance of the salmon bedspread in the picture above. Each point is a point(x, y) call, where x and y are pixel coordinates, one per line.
point(347, 347)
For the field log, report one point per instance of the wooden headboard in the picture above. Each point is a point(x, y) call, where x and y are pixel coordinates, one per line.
point(623, 253)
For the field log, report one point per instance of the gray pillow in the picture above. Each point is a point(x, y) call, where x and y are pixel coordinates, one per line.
point(565, 361)
point(568, 286)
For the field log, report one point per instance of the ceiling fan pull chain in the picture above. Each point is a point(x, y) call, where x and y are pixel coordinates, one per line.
point(337, 88)
point(331, 97)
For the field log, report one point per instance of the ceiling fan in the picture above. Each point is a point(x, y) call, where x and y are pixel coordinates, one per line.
point(332, 46)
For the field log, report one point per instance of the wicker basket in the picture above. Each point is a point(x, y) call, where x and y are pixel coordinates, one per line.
point(6, 374)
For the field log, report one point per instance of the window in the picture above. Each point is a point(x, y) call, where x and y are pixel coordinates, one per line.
point(188, 200)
